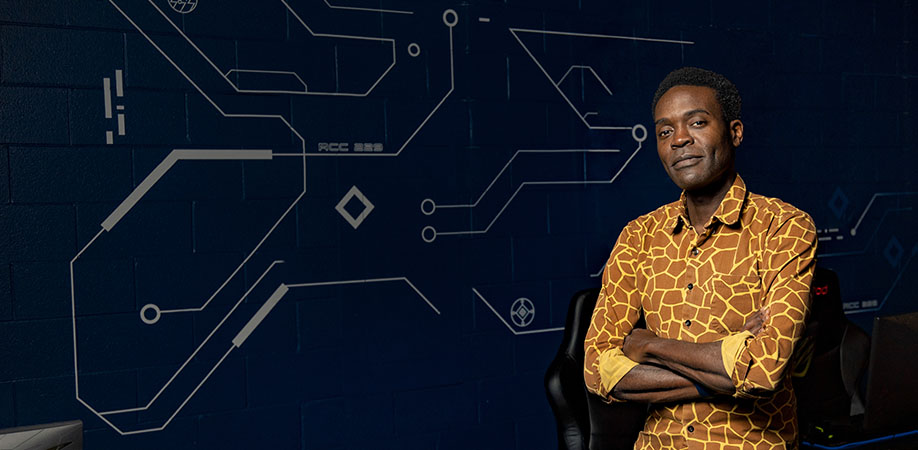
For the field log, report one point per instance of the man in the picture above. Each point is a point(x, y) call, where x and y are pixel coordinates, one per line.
point(722, 278)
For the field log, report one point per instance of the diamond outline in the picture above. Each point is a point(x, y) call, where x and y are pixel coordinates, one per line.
point(522, 303)
point(839, 197)
point(367, 207)
point(893, 252)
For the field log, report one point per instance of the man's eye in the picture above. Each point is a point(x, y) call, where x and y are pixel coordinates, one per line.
point(699, 123)
point(664, 133)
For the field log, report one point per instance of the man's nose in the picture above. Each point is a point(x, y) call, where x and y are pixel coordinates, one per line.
point(681, 137)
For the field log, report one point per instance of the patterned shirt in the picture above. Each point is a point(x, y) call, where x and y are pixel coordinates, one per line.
point(701, 286)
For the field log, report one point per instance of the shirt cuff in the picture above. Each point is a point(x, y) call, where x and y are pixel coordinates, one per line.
point(730, 349)
point(613, 366)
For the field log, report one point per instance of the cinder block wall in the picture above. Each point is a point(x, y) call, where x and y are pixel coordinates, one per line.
point(402, 330)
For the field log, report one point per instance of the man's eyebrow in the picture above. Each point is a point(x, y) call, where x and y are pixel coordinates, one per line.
point(695, 111)
point(686, 114)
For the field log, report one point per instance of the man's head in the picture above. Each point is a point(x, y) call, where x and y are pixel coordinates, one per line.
point(697, 131)
point(727, 95)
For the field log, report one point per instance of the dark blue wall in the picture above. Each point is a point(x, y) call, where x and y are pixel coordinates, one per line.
point(396, 331)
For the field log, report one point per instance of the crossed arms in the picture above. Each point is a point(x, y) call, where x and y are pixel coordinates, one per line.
point(670, 370)
point(622, 363)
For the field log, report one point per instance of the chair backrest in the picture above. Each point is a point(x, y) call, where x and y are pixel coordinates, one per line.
point(892, 400)
point(584, 420)
point(564, 378)
point(831, 359)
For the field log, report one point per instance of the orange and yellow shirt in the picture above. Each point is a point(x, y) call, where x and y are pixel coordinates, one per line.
point(701, 286)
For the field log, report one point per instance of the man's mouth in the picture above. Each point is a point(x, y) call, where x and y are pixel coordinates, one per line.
point(686, 161)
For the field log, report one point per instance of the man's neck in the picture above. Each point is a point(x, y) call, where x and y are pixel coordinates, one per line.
point(701, 204)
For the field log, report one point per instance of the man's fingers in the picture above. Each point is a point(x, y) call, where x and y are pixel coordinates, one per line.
point(755, 322)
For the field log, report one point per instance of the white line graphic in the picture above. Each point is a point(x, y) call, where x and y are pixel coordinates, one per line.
point(869, 241)
point(504, 321)
point(589, 68)
point(870, 203)
point(342, 36)
point(260, 315)
point(295, 75)
point(599, 272)
point(428, 206)
point(352, 8)
point(201, 90)
point(166, 164)
point(892, 287)
point(107, 95)
point(516, 32)
point(450, 18)
point(365, 281)
point(510, 161)
point(174, 375)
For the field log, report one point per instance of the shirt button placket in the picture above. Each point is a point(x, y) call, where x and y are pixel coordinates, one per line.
point(691, 274)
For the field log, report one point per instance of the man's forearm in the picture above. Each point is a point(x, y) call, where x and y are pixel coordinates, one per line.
point(654, 384)
point(699, 362)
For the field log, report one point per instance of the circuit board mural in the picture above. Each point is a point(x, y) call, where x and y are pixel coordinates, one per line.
point(284, 220)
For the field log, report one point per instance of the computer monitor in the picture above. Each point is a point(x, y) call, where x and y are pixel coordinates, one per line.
point(50, 436)
point(892, 396)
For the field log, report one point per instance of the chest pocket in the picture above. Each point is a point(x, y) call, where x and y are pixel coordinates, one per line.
point(732, 299)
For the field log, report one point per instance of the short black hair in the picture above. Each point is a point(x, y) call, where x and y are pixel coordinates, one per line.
point(726, 93)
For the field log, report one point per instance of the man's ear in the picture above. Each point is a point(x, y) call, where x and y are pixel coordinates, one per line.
point(736, 132)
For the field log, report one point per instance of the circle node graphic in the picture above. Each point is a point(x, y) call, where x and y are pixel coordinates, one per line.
point(639, 129)
point(156, 314)
point(450, 18)
point(428, 234)
point(522, 312)
point(428, 206)
point(414, 49)
point(183, 6)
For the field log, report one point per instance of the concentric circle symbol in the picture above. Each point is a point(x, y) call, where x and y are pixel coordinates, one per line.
point(183, 6)
point(522, 312)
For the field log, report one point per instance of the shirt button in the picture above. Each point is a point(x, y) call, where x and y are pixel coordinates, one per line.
point(688, 323)
point(690, 286)
point(691, 429)
point(695, 251)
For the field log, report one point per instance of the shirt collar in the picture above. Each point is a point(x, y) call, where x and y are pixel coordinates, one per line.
point(728, 213)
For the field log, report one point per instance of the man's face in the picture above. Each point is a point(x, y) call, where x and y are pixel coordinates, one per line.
point(694, 142)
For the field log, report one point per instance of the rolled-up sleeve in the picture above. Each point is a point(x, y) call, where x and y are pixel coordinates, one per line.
point(757, 363)
point(617, 310)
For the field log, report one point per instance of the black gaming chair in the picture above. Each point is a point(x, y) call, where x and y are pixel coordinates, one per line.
point(584, 421)
point(831, 360)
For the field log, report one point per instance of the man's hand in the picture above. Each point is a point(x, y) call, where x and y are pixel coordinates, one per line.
point(755, 322)
point(635, 345)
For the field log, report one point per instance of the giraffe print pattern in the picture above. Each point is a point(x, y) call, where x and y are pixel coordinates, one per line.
point(701, 286)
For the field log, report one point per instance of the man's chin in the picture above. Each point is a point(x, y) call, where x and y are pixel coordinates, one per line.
point(687, 182)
